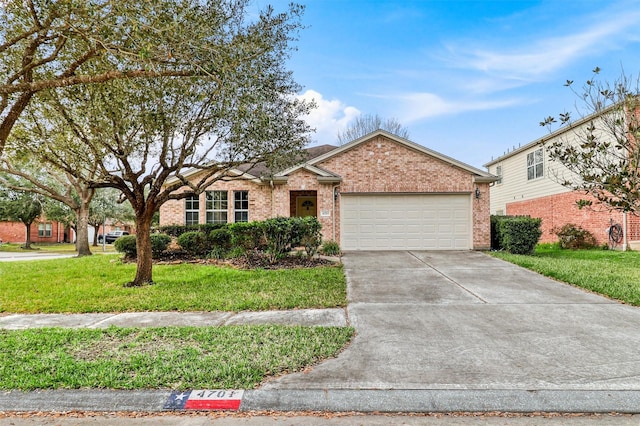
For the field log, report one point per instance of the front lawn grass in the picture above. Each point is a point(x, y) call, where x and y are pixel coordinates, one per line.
point(615, 274)
point(95, 284)
point(235, 357)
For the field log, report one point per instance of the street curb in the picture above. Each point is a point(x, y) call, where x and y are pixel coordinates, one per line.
point(340, 400)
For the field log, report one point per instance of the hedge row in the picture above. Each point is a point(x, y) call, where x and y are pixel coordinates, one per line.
point(274, 237)
point(177, 230)
point(515, 234)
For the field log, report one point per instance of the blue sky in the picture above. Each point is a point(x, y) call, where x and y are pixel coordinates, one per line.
point(469, 79)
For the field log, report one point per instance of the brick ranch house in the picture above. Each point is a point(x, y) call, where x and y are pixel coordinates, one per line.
point(42, 231)
point(379, 192)
point(529, 184)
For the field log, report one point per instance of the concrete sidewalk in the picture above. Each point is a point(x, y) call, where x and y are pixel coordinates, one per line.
point(437, 332)
point(307, 317)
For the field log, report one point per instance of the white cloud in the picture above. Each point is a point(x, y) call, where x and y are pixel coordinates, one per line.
point(329, 117)
point(530, 63)
point(418, 106)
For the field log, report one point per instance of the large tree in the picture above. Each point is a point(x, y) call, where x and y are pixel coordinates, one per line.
point(367, 123)
point(46, 44)
point(144, 134)
point(600, 150)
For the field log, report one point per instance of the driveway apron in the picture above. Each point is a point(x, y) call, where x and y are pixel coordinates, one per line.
point(464, 320)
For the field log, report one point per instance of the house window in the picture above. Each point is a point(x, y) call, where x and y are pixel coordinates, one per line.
point(241, 206)
point(217, 205)
point(535, 164)
point(499, 174)
point(192, 210)
point(44, 230)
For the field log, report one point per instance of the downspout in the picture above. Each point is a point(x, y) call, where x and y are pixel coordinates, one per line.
point(333, 212)
point(624, 231)
point(272, 201)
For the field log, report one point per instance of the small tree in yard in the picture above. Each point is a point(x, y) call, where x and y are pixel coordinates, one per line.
point(20, 206)
point(602, 153)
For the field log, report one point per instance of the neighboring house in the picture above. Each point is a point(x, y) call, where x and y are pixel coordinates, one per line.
point(42, 231)
point(379, 192)
point(529, 183)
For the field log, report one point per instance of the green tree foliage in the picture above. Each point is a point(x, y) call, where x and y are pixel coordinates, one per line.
point(46, 44)
point(365, 124)
point(600, 149)
point(21, 206)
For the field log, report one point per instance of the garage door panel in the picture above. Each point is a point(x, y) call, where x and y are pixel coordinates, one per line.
point(405, 222)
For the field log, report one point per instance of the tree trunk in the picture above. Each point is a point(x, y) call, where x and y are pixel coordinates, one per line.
point(143, 248)
point(96, 231)
point(27, 241)
point(82, 230)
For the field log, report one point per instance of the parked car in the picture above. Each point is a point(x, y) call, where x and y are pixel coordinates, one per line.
point(112, 236)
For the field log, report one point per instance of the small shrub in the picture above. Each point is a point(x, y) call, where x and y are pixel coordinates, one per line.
point(311, 236)
point(127, 245)
point(330, 248)
point(220, 238)
point(236, 252)
point(280, 234)
point(218, 253)
point(159, 243)
point(573, 237)
point(248, 235)
point(195, 243)
point(519, 235)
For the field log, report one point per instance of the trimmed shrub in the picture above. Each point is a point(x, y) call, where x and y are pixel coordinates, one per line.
point(573, 237)
point(495, 235)
point(330, 248)
point(519, 235)
point(281, 234)
point(159, 243)
point(127, 245)
point(311, 236)
point(195, 243)
point(220, 238)
point(247, 235)
point(177, 230)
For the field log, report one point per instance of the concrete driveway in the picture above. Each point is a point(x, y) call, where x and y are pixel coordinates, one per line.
point(464, 320)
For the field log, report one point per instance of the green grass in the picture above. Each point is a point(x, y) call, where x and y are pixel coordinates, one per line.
point(237, 357)
point(96, 284)
point(614, 274)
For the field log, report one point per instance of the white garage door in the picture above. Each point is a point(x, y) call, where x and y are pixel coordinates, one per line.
point(405, 222)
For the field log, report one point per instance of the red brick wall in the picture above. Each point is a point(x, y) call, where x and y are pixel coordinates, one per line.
point(15, 232)
point(561, 209)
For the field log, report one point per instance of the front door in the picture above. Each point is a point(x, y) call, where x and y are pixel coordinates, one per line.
point(306, 206)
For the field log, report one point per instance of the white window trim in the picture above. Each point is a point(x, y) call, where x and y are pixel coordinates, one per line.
point(191, 199)
point(223, 211)
point(237, 210)
point(534, 164)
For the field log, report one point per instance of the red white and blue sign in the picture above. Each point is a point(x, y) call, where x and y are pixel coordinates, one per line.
point(217, 399)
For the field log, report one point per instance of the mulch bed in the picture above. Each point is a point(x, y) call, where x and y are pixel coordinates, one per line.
point(249, 261)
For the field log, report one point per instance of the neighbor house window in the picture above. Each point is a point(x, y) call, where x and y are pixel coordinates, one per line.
point(499, 174)
point(192, 210)
point(44, 230)
point(535, 164)
point(217, 206)
point(241, 206)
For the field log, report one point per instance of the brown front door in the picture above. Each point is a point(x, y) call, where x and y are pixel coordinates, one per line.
point(306, 206)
